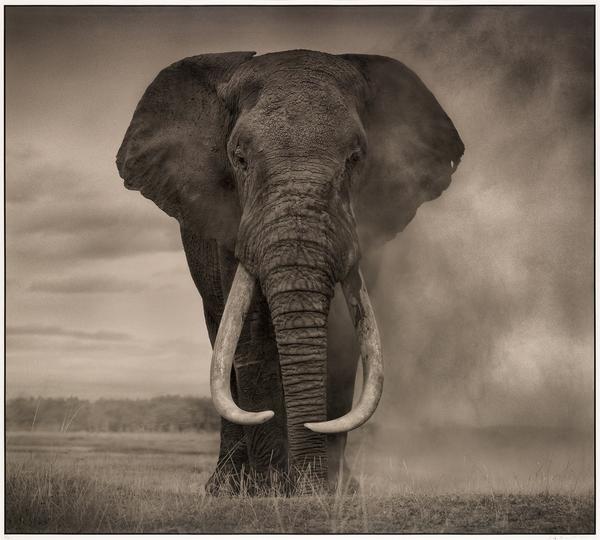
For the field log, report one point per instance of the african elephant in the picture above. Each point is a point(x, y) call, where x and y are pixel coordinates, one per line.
point(278, 167)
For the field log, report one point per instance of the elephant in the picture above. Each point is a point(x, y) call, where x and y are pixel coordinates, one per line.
point(282, 170)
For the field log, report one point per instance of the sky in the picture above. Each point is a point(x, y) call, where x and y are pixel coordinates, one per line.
point(485, 301)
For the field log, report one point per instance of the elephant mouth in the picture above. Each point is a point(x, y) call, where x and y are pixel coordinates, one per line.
point(365, 325)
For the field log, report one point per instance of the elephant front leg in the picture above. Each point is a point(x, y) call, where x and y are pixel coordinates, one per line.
point(233, 452)
point(259, 388)
point(253, 459)
point(233, 462)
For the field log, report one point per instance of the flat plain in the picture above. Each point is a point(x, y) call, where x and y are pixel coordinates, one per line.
point(500, 480)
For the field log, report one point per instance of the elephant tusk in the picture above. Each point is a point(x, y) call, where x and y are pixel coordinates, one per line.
point(226, 342)
point(367, 333)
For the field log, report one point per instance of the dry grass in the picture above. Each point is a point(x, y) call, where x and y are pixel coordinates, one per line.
point(58, 483)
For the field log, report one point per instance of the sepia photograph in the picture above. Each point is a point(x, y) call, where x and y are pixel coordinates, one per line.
point(299, 269)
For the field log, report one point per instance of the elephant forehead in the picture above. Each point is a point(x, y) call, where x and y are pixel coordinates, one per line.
point(300, 72)
point(316, 116)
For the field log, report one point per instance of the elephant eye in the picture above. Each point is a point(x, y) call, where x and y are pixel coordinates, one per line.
point(354, 157)
point(239, 159)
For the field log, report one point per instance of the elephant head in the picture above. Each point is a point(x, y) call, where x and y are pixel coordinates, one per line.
point(292, 160)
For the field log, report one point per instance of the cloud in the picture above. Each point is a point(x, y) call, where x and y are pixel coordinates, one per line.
point(56, 212)
point(57, 331)
point(48, 360)
point(33, 178)
point(85, 285)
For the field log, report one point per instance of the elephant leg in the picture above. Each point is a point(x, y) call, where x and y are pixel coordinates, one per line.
point(232, 462)
point(233, 454)
point(259, 387)
point(266, 443)
point(204, 261)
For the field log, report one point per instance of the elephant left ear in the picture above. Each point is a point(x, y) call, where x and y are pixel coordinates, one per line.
point(174, 151)
point(413, 147)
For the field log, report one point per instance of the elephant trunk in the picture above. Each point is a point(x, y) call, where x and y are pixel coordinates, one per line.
point(299, 297)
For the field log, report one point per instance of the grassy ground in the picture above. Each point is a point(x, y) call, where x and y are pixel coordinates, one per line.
point(63, 482)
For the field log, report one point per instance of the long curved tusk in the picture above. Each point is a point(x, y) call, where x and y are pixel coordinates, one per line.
point(367, 333)
point(232, 321)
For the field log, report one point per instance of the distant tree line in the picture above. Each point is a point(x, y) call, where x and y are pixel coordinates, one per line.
point(164, 413)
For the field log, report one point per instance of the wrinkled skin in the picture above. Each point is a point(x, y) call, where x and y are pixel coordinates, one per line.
point(289, 163)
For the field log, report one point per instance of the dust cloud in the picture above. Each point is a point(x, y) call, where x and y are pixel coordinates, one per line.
point(485, 301)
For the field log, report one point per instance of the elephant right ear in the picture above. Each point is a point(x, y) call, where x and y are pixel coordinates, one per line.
point(413, 147)
point(174, 151)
